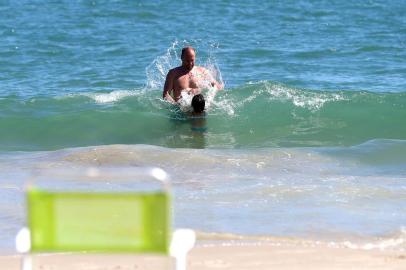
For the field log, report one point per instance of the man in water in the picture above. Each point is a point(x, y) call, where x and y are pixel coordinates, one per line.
point(187, 77)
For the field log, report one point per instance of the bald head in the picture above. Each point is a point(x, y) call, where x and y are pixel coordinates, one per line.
point(188, 57)
point(187, 50)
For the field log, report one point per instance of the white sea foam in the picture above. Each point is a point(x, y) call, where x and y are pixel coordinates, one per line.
point(397, 242)
point(112, 97)
point(185, 102)
point(305, 99)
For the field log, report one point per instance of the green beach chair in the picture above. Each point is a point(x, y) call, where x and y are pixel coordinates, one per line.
point(102, 221)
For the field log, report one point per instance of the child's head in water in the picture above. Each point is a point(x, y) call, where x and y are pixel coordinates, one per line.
point(198, 103)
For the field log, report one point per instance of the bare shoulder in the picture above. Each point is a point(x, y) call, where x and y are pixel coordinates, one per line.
point(171, 71)
point(174, 71)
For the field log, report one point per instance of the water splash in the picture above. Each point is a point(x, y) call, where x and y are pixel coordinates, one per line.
point(157, 70)
point(206, 57)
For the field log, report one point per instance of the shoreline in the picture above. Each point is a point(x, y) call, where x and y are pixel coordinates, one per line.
point(229, 254)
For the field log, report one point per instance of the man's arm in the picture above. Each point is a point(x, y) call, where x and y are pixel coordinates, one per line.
point(168, 87)
point(212, 80)
point(219, 86)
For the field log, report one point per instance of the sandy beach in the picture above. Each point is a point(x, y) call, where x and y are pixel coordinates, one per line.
point(236, 255)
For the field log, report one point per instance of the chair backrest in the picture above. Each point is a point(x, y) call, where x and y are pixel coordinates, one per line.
point(99, 221)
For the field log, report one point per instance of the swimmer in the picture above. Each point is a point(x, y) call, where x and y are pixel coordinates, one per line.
point(198, 115)
point(198, 105)
point(188, 78)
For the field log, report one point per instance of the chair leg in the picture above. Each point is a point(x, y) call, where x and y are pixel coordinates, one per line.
point(26, 262)
point(183, 240)
point(23, 246)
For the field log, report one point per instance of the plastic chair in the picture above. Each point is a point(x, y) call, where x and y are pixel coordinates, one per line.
point(103, 220)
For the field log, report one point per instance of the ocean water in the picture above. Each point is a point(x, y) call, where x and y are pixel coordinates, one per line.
point(308, 139)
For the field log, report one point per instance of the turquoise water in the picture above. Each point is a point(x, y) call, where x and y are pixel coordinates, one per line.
point(307, 139)
point(263, 114)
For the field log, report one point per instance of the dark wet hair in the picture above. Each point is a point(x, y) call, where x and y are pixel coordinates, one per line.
point(198, 103)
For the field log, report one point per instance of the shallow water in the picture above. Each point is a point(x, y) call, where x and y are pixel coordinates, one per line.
point(335, 194)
